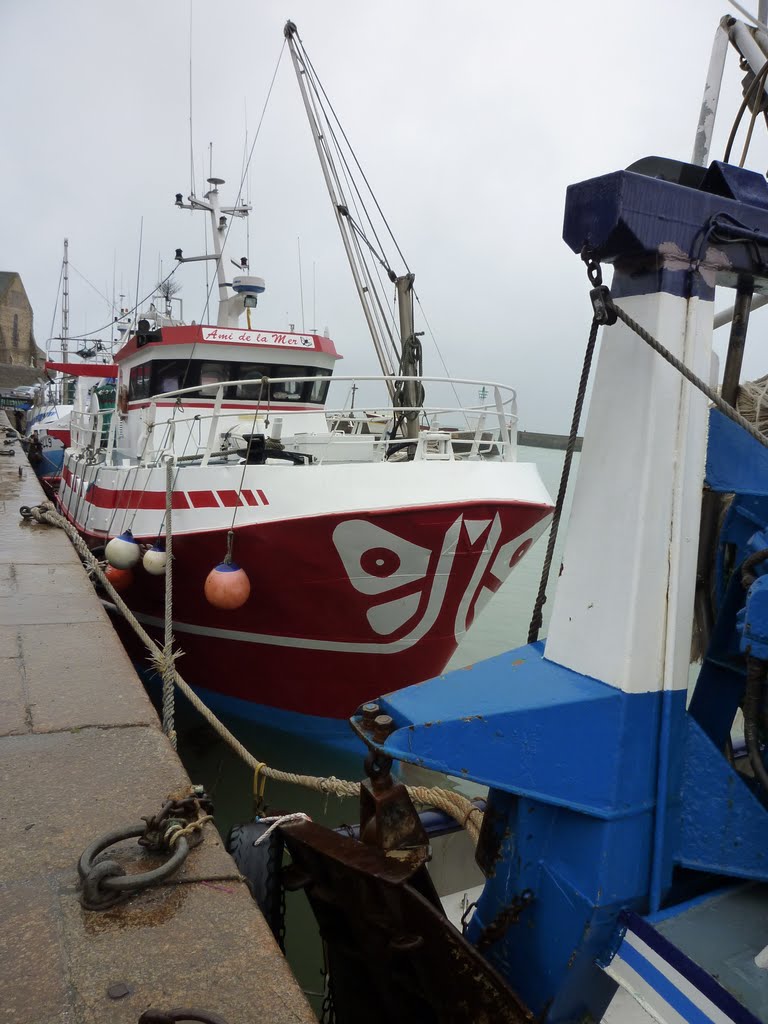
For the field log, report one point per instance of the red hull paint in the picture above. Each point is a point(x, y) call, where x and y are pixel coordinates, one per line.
point(61, 435)
point(359, 586)
point(106, 497)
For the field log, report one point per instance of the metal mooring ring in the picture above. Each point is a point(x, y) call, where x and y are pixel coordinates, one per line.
point(106, 883)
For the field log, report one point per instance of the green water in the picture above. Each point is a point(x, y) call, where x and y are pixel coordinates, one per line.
point(502, 626)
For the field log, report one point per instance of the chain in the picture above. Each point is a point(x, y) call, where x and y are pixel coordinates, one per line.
point(327, 1012)
point(606, 312)
point(174, 830)
point(537, 617)
point(179, 816)
point(281, 918)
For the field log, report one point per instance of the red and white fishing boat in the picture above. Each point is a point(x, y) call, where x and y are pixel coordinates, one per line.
point(364, 554)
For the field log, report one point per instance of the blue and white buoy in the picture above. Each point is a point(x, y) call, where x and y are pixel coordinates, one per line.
point(155, 559)
point(123, 552)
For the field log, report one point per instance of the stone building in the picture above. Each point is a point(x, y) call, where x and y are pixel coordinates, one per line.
point(19, 355)
point(17, 339)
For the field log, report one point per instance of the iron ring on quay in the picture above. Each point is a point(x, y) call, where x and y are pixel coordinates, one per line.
point(106, 883)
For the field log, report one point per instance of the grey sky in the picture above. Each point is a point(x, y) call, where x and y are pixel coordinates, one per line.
point(470, 121)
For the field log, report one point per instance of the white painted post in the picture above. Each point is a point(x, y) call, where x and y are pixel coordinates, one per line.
point(214, 425)
point(624, 603)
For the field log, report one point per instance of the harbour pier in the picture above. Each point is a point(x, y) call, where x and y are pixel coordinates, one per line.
point(536, 439)
point(82, 754)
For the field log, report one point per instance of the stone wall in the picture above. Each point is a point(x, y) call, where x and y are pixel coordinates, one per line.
point(17, 338)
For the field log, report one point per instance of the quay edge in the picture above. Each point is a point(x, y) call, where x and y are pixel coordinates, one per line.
point(81, 753)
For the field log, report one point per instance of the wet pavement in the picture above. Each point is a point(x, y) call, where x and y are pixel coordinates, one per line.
point(81, 753)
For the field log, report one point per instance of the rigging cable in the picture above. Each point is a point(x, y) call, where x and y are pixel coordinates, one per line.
point(243, 178)
point(191, 150)
point(327, 137)
point(129, 312)
point(55, 308)
point(757, 103)
point(351, 150)
point(138, 266)
point(745, 12)
point(740, 113)
point(250, 156)
point(91, 285)
point(377, 305)
point(361, 268)
point(440, 355)
point(537, 618)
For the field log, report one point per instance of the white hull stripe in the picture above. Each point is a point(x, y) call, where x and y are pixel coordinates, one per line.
point(305, 643)
point(667, 984)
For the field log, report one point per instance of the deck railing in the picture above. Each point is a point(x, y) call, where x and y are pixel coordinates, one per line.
point(491, 427)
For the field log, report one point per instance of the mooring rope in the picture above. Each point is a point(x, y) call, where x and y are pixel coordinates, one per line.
point(169, 690)
point(459, 807)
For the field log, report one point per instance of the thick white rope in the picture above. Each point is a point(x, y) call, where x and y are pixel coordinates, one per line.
point(169, 691)
point(459, 807)
point(752, 402)
point(281, 819)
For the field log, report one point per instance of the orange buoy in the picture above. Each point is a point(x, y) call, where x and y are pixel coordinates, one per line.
point(120, 579)
point(227, 586)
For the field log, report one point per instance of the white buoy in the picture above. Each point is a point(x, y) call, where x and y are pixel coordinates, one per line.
point(154, 560)
point(123, 552)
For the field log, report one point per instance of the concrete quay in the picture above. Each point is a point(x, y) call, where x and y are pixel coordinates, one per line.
point(81, 754)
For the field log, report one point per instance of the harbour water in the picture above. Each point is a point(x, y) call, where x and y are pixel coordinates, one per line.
point(503, 626)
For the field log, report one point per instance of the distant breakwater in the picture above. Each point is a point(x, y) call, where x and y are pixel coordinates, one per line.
point(531, 439)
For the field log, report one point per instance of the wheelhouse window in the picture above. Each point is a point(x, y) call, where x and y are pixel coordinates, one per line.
point(254, 391)
point(161, 376)
point(140, 381)
point(170, 375)
point(318, 389)
point(212, 374)
point(289, 390)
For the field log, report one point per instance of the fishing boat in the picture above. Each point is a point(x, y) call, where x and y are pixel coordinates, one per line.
point(623, 844)
point(69, 386)
point(320, 552)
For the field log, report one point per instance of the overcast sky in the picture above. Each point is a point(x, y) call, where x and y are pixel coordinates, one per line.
point(469, 119)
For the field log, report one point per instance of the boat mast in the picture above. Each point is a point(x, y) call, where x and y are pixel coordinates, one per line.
point(230, 306)
point(218, 233)
point(65, 307)
point(340, 210)
point(410, 393)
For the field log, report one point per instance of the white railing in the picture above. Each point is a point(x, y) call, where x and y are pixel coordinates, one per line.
point(87, 428)
point(492, 428)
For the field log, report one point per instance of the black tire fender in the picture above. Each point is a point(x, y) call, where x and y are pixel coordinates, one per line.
point(261, 867)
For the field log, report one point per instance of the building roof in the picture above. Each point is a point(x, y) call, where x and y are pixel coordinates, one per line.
point(6, 280)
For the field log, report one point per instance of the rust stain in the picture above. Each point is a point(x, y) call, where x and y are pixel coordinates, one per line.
point(150, 909)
